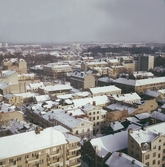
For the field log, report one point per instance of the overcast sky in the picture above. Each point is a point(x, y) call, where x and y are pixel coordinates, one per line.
point(107, 21)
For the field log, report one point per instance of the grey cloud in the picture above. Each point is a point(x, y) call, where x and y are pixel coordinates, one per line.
point(82, 20)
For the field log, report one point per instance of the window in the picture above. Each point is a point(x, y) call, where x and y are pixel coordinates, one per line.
point(154, 154)
point(153, 162)
point(97, 112)
point(10, 160)
point(158, 155)
point(41, 161)
point(154, 147)
point(82, 124)
point(93, 118)
point(131, 152)
point(159, 147)
point(158, 162)
point(97, 117)
point(77, 132)
point(93, 112)
point(147, 156)
point(160, 140)
point(147, 163)
point(26, 156)
point(18, 158)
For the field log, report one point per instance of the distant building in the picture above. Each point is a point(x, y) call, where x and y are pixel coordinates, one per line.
point(141, 85)
point(82, 80)
point(20, 65)
point(145, 62)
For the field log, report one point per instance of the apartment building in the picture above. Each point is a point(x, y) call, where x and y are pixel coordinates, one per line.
point(96, 115)
point(48, 147)
point(90, 65)
point(20, 65)
point(57, 70)
point(120, 110)
point(82, 80)
point(141, 85)
point(145, 62)
point(148, 145)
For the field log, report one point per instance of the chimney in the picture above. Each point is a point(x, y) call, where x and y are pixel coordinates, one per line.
point(94, 103)
point(37, 130)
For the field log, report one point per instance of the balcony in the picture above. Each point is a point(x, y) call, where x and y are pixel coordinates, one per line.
point(74, 148)
point(13, 164)
point(78, 163)
point(53, 154)
point(75, 157)
point(33, 159)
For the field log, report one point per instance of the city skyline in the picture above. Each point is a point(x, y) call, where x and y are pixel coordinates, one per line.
point(113, 21)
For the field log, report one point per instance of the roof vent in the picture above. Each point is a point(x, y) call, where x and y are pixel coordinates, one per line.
point(133, 161)
point(120, 154)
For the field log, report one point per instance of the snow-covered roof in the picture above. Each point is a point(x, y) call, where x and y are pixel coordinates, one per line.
point(104, 89)
point(110, 143)
point(158, 115)
point(61, 129)
point(7, 108)
point(82, 94)
point(162, 91)
point(30, 142)
point(42, 98)
point(116, 126)
point(152, 93)
point(105, 79)
point(71, 120)
point(36, 85)
point(99, 100)
point(120, 159)
point(140, 82)
point(142, 115)
point(3, 85)
point(129, 97)
point(120, 107)
point(57, 87)
point(7, 73)
point(149, 134)
point(79, 74)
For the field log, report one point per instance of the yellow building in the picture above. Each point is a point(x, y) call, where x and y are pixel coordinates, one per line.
point(141, 85)
point(40, 148)
point(20, 65)
point(148, 145)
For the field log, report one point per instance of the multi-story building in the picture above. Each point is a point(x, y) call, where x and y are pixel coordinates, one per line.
point(96, 115)
point(48, 147)
point(120, 110)
point(20, 65)
point(145, 62)
point(141, 85)
point(105, 90)
point(82, 80)
point(148, 145)
point(57, 70)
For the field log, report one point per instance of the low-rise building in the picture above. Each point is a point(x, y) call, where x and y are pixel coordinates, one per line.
point(105, 90)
